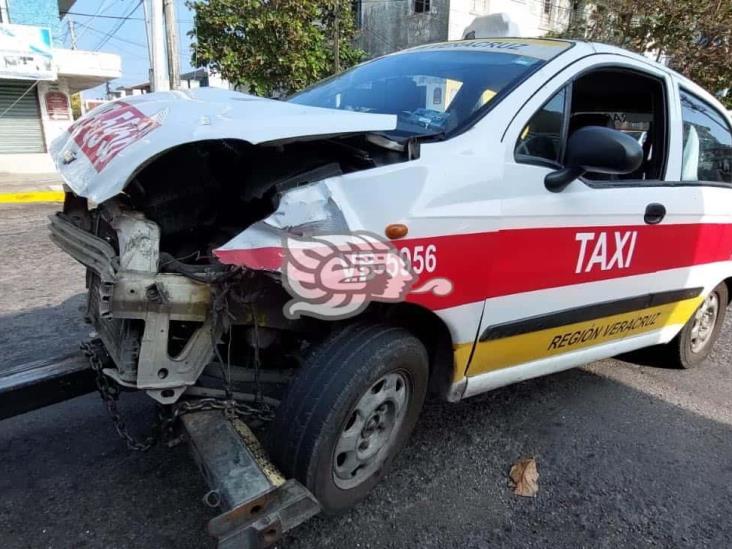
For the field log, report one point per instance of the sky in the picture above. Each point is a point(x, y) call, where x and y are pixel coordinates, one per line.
point(129, 41)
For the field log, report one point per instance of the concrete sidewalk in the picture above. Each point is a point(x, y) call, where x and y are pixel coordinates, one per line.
point(24, 187)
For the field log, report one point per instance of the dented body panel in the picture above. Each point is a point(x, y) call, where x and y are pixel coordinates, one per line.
point(476, 214)
point(217, 227)
point(104, 149)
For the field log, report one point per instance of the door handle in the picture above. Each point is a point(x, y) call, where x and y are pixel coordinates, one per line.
point(654, 213)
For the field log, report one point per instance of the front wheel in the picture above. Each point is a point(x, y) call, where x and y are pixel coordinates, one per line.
point(349, 411)
point(695, 341)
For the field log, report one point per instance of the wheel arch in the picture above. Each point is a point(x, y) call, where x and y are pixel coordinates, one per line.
point(434, 334)
point(728, 282)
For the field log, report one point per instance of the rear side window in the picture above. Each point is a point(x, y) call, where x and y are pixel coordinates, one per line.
point(541, 138)
point(707, 154)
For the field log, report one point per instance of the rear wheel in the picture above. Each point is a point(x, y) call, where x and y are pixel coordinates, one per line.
point(695, 341)
point(349, 411)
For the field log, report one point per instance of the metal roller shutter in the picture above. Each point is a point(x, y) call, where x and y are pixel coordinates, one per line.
point(20, 127)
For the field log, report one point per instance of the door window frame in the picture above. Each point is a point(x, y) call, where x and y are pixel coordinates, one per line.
point(538, 161)
point(620, 63)
point(721, 114)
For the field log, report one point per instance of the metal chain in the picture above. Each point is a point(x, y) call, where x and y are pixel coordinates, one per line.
point(167, 416)
point(232, 409)
point(109, 392)
point(257, 361)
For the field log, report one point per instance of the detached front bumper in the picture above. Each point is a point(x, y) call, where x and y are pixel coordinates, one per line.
point(131, 306)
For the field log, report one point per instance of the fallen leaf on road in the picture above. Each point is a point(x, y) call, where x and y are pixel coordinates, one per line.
point(525, 478)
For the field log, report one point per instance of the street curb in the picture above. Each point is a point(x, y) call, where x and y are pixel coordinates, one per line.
point(31, 196)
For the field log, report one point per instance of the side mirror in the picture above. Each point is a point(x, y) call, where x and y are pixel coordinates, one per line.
point(599, 150)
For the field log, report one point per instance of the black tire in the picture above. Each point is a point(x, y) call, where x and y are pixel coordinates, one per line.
point(681, 350)
point(321, 401)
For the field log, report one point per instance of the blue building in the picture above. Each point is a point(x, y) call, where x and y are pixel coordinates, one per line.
point(37, 79)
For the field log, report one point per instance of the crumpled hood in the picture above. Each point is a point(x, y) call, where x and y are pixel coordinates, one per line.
point(104, 149)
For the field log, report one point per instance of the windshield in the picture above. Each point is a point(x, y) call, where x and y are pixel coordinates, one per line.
point(434, 89)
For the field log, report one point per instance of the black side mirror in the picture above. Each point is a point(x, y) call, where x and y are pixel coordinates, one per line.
point(599, 150)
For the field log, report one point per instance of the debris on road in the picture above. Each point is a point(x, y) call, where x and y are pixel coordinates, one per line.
point(525, 478)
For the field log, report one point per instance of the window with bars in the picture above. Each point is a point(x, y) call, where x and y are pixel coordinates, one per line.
point(422, 6)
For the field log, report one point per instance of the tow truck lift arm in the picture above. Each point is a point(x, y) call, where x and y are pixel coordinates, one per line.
point(259, 504)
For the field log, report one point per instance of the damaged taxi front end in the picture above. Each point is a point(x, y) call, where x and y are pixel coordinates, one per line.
point(132, 305)
point(159, 188)
point(236, 259)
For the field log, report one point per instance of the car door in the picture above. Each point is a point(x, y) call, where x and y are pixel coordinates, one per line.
point(574, 274)
point(698, 195)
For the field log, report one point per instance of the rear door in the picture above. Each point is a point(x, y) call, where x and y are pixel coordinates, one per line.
point(575, 273)
point(698, 195)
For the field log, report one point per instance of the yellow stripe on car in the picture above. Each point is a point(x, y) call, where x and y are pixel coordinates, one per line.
point(511, 351)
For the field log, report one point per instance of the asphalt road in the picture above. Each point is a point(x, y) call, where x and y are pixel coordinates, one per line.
point(629, 454)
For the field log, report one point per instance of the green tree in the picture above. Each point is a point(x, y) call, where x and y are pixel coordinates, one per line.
point(76, 106)
point(693, 36)
point(273, 47)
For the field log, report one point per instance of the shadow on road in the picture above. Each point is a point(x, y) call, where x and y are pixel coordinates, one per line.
point(618, 468)
point(43, 332)
point(654, 357)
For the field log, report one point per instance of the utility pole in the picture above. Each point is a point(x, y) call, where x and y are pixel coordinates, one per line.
point(159, 80)
point(171, 38)
point(336, 37)
point(72, 33)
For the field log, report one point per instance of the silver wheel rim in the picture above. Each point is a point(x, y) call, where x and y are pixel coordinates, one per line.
point(370, 430)
point(705, 319)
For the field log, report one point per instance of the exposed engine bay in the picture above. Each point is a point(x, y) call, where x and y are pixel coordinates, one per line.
point(172, 317)
point(202, 194)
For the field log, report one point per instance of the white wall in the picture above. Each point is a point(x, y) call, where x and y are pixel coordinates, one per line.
point(528, 15)
point(53, 128)
point(462, 13)
point(216, 81)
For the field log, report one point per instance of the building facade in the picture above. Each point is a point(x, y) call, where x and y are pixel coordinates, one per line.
point(391, 25)
point(198, 78)
point(37, 80)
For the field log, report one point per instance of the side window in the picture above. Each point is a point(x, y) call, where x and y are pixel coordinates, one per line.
point(541, 138)
point(626, 100)
point(631, 102)
point(707, 152)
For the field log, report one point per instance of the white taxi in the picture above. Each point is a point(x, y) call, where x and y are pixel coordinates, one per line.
point(555, 203)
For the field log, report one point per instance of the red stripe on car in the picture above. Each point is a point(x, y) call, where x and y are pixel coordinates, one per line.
point(493, 264)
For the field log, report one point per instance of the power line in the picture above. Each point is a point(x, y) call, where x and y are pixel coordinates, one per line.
point(110, 35)
point(100, 9)
point(118, 26)
point(65, 13)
